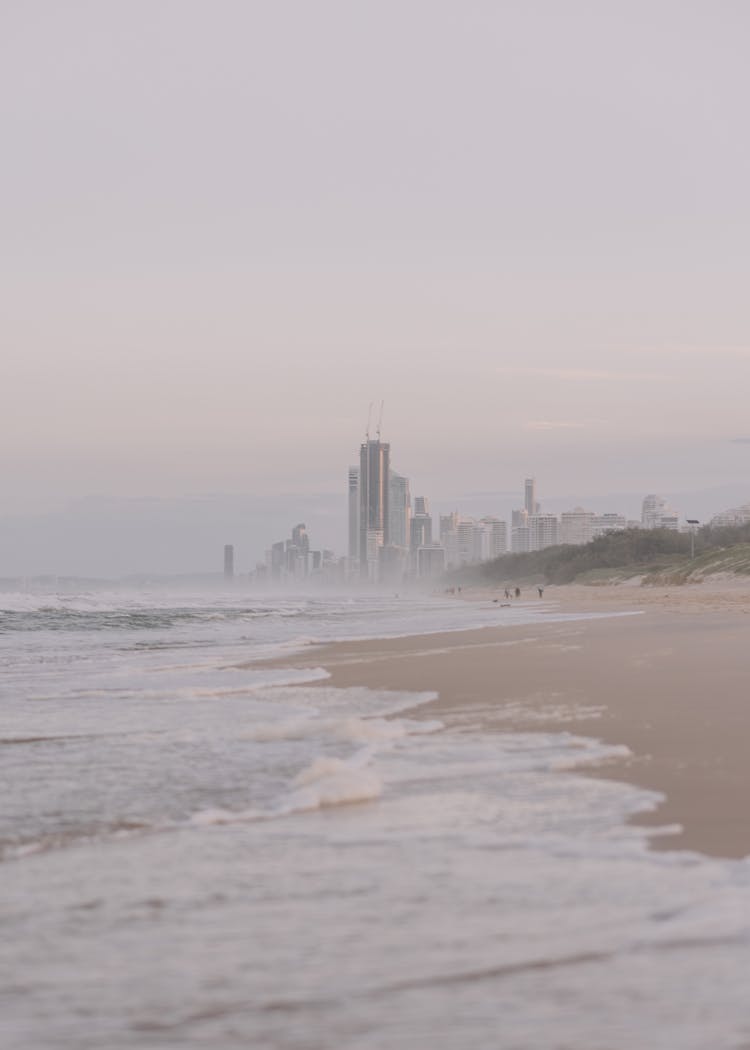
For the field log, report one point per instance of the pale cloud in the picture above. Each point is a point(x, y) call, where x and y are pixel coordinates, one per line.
point(702, 351)
point(551, 424)
point(579, 374)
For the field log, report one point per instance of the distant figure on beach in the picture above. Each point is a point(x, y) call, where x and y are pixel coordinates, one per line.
point(507, 593)
point(541, 591)
point(518, 592)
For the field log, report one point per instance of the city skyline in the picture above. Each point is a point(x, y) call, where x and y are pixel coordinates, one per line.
point(108, 537)
point(393, 539)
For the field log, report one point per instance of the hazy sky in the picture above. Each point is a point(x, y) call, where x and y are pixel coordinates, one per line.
point(228, 226)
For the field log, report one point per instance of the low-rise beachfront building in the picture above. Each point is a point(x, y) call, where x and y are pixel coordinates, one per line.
point(731, 517)
point(604, 523)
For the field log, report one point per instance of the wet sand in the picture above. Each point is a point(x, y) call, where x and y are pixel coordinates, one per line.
point(671, 682)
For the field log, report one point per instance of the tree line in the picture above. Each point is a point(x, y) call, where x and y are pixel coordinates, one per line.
point(629, 548)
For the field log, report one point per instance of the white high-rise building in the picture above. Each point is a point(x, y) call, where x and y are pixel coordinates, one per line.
point(496, 536)
point(530, 504)
point(577, 526)
point(544, 531)
point(467, 541)
point(520, 537)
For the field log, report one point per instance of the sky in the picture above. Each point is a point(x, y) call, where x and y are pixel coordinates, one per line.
point(228, 227)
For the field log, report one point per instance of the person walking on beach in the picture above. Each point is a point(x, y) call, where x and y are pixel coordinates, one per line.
point(541, 591)
point(518, 592)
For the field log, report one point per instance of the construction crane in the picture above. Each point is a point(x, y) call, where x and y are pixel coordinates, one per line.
point(380, 419)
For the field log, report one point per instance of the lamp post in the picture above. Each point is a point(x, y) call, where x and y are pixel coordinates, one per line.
point(692, 522)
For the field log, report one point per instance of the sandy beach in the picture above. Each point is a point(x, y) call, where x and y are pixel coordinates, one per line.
point(669, 677)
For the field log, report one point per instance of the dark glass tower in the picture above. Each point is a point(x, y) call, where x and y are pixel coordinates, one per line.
point(374, 469)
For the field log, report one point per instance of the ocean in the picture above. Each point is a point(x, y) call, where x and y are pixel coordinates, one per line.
point(197, 850)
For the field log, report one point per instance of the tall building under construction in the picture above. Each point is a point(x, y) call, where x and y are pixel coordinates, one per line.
point(374, 524)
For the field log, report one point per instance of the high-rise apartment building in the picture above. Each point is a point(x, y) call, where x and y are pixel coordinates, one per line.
point(581, 526)
point(228, 561)
point(530, 504)
point(420, 531)
point(577, 526)
point(374, 523)
point(657, 514)
point(399, 510)
point(520, 537)
point(300, 539)
point(275, 560)
point(467, 541)
point(353, 490)
point(495, 534)
point(544, 531)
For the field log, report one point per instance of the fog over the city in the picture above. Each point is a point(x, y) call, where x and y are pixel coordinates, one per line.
point(228, 227)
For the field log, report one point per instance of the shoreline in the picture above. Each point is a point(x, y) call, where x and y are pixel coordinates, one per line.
point(672, 684)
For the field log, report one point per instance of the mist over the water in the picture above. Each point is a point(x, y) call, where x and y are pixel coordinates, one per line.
point(111, 537)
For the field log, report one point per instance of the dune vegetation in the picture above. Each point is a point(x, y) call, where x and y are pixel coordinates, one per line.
point(657, 555)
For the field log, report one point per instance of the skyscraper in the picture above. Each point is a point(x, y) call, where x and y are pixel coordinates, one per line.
point(374, 524)
point(520, 536)
point(228, 561)
point(353, 513)
point(530, 504)
point(420, 532)
point(300, 539)
point(399, 510)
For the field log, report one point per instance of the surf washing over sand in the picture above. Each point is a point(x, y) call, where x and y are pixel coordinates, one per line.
point(202, 847)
